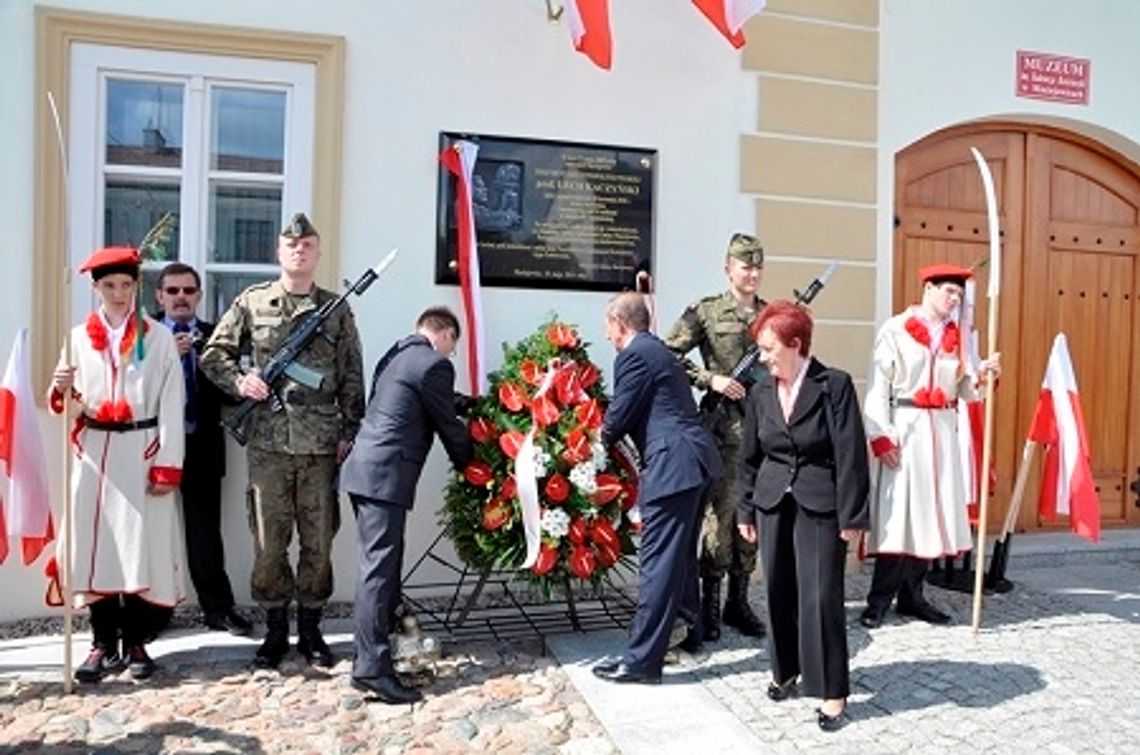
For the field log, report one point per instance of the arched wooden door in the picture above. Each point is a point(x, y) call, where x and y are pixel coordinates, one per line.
point(1070, 220)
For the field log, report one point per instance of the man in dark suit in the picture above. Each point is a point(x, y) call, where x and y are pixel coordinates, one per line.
point(654, 405)
point(413, 397)
point(178, 291)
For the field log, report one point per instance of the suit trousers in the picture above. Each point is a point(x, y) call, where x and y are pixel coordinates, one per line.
point(202, 516)
point(803, 558)
point(667, 579)
point(380, 551)
point(897, 575)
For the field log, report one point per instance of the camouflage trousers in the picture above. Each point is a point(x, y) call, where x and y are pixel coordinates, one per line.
point(722, 548)
point(288, 492)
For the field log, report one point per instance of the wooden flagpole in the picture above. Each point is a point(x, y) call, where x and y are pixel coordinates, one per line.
point(1019, 485)
point(994, 291)
point(65, 303)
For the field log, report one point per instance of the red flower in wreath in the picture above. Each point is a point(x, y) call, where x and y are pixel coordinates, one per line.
point(531, 372)
point(544, 411)
point(577, 446)
point(606, 555)
point(589, 414)
point(588, 375)
point(512, 397)
point(496, 514)
point(603, 534)
point(568, 386)
point(608, 489)
point(562, 336)
point(576, 532)
point(557, 488)
point(510, 489)
point(547, 558)
point(582, 562)
point(511, 441)
point(478, 473)
point(628, 495)
point(483, 430)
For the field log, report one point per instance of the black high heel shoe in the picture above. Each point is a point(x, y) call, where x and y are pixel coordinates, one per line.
point(780, 692)
point(830, 723)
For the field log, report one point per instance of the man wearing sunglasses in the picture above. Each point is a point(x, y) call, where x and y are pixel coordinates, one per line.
point(178, 292)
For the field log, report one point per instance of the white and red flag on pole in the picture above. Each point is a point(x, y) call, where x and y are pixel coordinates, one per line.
point(459, 159)
point(1059, 424)
point(26, 509)
point(589, 24)
point(729, 16)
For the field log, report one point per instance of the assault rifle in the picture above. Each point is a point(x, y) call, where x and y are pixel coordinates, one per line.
point(284, 362)
point(714, 406)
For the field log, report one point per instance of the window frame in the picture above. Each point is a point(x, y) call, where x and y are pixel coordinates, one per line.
point(56, 31)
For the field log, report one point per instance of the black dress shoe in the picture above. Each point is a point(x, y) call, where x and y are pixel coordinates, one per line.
point(924, 612)
point(872, 618)
point(829, 723)
point(691, 643)
point(624, 674)
point(229, 621)
point(779, 692)
point(609, 663)
point(139, 663)
point(386, 689)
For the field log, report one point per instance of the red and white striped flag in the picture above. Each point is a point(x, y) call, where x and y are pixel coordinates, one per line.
point(1058, 422)
point(26, 509)
point(729, 16)
point(589, 24)
point(459, 159)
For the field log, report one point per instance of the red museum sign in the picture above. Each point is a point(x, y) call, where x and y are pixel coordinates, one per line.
point(1042, 76)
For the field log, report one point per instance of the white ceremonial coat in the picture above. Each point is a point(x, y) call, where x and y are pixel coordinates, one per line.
point(125, 540)
point(919, 508)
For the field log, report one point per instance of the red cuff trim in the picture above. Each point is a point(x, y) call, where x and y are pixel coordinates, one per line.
point(881, 445)
point(166, 476)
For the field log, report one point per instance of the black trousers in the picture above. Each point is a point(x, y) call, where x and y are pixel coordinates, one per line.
point(897, 575)
point(118, 616)
point(380, 553)
point(804, 559)
point(202, 517)
point(667, 579)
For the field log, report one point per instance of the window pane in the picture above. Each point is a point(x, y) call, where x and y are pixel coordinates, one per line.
point(149, 281)
point(223, 287)
point(244, 223)
point(144, 123)
point(248, 131)
point(131, 208)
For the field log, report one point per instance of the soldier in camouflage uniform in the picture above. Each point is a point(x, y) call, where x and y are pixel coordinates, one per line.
point(718, 326)
point(293, 453)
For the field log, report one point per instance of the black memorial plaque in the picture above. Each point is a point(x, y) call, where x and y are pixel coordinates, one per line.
point(552, 214)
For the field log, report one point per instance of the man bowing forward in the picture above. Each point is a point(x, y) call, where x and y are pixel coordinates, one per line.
point(653, 404)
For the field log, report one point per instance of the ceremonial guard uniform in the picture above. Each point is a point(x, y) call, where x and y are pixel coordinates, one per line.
point(718, 327)
point(292, 451)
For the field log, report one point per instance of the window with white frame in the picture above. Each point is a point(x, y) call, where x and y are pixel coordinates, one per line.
point(223, 143)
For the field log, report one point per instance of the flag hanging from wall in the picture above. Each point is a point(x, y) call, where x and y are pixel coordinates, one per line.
point(26, 511)
point(589, 24)
point(729, 16)
point(1058, 423)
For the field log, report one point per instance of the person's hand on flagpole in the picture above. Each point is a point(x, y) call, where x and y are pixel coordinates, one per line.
point(62, 379)
point(992, 364)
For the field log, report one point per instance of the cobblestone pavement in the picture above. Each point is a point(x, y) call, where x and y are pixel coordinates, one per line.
point(1053, 670)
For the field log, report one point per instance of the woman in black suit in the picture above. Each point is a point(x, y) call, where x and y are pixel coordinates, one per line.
point(804, 482)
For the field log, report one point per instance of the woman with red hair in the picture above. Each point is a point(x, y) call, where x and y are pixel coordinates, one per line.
point(122, 380)
point(804, 481)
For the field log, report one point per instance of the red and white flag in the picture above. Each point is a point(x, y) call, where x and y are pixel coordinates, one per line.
point(26, 509)
point(589, 24)
point(1059, 424)
point(729, 16)
point(459, 159)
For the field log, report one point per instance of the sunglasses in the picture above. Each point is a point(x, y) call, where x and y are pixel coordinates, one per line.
point(173, 290)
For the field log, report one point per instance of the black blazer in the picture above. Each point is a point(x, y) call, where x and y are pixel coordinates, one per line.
point(207, 443)
point(653, 404)
point(819, 456)
point(413, 397)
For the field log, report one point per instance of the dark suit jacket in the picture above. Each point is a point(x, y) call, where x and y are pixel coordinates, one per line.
point(208, 443)
point(412, 398)
point(653, 404)
point(820, 460)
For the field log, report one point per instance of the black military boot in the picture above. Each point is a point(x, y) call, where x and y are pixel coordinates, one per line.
point(276, 643)
point(710, 608)
point(310, 642)
point(737, 612)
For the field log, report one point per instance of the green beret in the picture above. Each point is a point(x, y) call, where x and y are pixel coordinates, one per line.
point(746, 248)
point(299, 227)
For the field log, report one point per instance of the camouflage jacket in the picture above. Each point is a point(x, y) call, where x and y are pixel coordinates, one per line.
point(247, 336)
point(718, 326)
